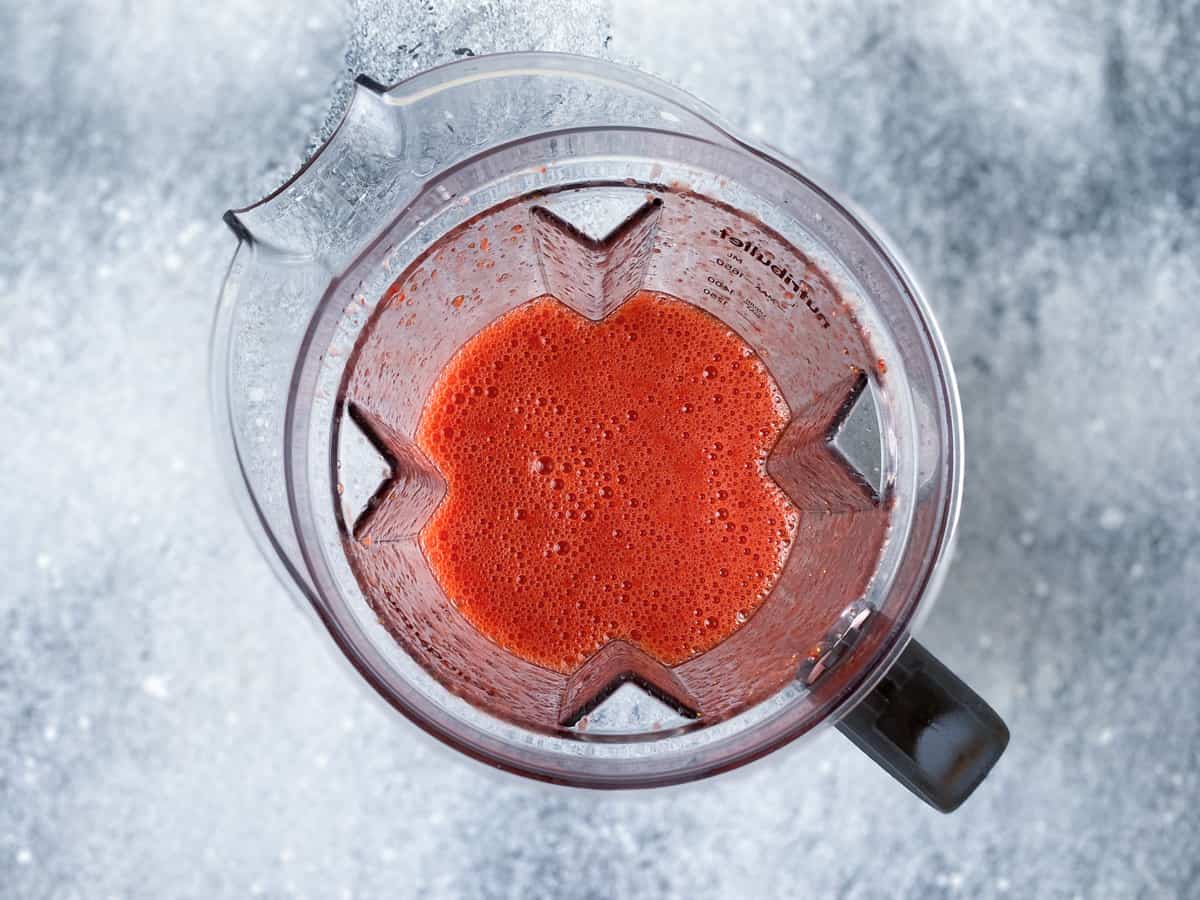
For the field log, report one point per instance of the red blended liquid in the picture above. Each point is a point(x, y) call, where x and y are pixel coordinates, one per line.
point(606, 481)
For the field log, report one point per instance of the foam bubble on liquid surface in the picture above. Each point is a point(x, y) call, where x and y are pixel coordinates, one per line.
point(606, 481)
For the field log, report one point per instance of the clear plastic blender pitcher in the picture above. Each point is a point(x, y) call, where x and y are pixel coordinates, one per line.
point(590, 181)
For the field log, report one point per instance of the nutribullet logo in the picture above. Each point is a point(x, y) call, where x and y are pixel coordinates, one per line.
point(798, 286)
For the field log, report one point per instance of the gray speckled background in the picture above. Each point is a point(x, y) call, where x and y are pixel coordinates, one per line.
point(170, 726)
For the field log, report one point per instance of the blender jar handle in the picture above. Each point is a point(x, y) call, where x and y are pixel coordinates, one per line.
point(927, 729)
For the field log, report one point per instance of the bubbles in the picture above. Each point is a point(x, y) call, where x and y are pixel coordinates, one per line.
point(643, 512)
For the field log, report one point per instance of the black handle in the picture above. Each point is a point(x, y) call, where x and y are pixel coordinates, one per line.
point(934, 734)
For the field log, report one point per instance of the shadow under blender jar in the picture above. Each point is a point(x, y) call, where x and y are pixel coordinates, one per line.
point(441, 204)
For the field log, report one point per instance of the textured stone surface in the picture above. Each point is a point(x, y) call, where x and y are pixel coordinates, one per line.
point(171, 727)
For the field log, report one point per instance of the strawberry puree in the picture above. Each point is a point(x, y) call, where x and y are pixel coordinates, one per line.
point(605, 480)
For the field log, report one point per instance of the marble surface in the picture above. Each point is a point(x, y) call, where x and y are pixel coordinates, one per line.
point(170, 726)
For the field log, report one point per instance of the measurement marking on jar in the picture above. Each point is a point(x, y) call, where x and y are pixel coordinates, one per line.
point(794, 287)
point(726, 264)
point(718, 289)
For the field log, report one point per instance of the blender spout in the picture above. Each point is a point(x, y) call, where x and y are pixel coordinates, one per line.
point(332, 204)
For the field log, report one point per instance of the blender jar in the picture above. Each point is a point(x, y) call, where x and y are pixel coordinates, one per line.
point(448, 200)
